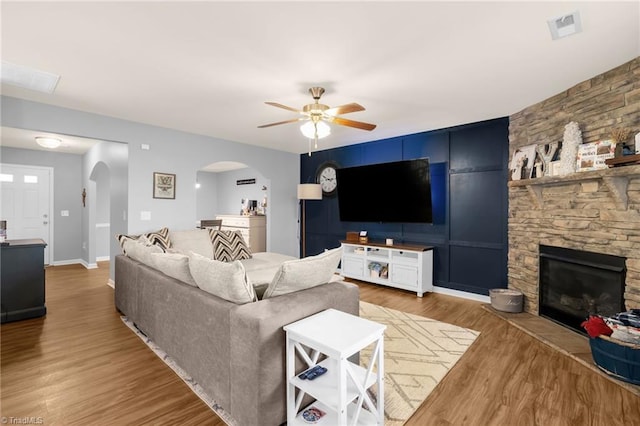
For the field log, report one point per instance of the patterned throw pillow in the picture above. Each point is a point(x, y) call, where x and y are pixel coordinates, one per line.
point(159, 238)
point(229, 246)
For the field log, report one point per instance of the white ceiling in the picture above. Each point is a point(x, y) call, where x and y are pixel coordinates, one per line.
point(208, 67)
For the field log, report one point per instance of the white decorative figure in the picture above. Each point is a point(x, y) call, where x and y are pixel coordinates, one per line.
point(538, 165)
point(571, 139)
point(546, 153)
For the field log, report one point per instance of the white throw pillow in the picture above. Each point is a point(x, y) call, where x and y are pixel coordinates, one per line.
point(227, 280)
point(300, 274)
point(174, 265)
point(193, 240)
point(140, 250)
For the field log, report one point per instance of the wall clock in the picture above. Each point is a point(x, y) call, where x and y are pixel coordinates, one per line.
point(326, 177)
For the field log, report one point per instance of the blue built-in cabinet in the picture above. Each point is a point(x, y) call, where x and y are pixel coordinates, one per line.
point(468, 167)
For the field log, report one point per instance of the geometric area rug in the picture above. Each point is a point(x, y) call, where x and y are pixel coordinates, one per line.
point(418, 353)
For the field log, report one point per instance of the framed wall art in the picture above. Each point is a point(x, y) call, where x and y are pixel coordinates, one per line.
point(164, 185)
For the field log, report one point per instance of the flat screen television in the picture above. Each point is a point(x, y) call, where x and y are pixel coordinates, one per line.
point(398, 191)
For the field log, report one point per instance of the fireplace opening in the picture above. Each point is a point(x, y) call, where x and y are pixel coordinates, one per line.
point(575, 284)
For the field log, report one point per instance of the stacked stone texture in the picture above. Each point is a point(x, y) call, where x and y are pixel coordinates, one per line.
point(577, 214)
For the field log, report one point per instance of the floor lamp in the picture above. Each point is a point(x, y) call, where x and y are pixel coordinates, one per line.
point(307, 191)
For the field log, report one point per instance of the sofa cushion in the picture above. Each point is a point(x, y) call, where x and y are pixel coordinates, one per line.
point(261, 269)
point(226, 280)
point(174, 265)
point(159, 238)
point(229, 246)
point(300, 274)
point(192, 240)
point(140, 249)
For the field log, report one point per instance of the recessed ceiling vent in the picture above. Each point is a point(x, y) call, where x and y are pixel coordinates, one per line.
point(564, 26)
point(28, 78)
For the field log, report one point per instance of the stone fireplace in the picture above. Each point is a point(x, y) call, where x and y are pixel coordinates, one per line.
point(594, 211)
point(580, 212)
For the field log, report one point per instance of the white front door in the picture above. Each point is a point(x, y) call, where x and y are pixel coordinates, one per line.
point(26, 203)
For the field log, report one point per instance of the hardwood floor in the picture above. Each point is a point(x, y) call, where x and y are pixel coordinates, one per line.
point(81, 365)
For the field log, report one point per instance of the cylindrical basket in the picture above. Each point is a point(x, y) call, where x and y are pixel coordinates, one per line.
point(506, 299)
point(618, 359)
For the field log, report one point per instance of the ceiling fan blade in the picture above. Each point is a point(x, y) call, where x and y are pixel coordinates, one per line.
point(351, 123)
point(344, 109)
point(293, 120)
point(275, 104)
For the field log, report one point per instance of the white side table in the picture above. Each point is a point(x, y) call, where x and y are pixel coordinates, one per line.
point(342, 391)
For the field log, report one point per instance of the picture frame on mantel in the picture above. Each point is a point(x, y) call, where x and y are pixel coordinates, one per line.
point(521, 166)
point(164, 186)
point(592, 155)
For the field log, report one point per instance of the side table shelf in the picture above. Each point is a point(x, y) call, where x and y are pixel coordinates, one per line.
point(342, 391)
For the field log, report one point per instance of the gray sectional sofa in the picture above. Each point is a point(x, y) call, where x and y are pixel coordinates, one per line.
point(236, 352)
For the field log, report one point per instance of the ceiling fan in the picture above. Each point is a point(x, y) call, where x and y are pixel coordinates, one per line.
point(317, 116)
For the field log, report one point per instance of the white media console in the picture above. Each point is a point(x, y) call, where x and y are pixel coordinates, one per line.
point(409, 267)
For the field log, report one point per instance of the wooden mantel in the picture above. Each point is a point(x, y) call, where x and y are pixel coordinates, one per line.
point(616, 179)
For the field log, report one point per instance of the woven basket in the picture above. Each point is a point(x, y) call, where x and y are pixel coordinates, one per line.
point(618, 359)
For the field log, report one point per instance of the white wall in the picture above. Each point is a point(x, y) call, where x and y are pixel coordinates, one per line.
point(230, 194)
point(207, 195)
point(101, 177)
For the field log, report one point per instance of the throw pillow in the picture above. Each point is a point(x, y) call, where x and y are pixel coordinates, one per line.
point(140, 249)
point(159, 238)
point(229, 246)
point(226, 280)
point(174, 265)
point(192, 240)
point(300, 274)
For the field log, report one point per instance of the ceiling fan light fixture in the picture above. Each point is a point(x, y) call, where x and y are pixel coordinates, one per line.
point(47, 142)
point(317, 130)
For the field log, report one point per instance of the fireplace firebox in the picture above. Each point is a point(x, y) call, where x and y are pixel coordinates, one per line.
point(575, 284)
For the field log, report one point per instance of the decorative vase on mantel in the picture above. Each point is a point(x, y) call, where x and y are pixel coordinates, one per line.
point(570, 140)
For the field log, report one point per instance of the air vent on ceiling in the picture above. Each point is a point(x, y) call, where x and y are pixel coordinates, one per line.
point(564, 26)
point(28, 78)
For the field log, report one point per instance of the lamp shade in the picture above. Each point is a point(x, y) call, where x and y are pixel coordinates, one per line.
point(309, 191)
point(309, 128)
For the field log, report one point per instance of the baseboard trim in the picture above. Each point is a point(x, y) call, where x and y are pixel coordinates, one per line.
point(462, 294)
point(66, 262)
point(102, 258)
point(90, 265)
point(111, 283)
point(75, 262)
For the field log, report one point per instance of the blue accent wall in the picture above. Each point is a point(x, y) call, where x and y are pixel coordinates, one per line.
point(469, 173)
